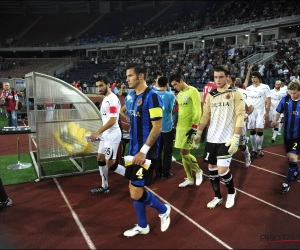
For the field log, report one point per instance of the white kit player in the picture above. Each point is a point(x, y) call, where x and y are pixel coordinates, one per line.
point(111, 133)
point(284, 91)
point(237, 83)
point(260, 97)
point(276, 94)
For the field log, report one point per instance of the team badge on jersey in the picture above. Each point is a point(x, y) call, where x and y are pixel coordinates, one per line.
point(140, 102)
point(228, 96)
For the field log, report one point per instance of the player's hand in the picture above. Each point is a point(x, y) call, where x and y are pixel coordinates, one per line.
point(273, 124)
point(191, 133)
point(139, 158)
point(94, 135)
point(233, 143)
point(196, 139)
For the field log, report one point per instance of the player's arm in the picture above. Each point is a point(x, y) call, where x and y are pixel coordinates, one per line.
point(249, 109)
point(112, 120)
point(203, 121)
point(120, 93)
point(196, 114)
point(197, 109)
point(247, 76)
point(140, 157)
point(239, 112)
point(206, 113)
point(276, 120)
point(268, 105)
point(123, 113)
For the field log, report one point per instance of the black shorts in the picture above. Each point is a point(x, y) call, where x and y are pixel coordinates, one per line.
point(213, 151)
point(292, 146)
point(140, 176)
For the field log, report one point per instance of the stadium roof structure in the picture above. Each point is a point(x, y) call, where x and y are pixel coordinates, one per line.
point(25, 7)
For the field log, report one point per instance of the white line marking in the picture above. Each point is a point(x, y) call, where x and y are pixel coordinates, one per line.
point(261, 168)
point(254, 197)
point(276, 154)
point(192, 221)
point(79, 224)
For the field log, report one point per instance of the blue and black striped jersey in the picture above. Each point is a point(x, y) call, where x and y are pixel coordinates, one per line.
point(145, 108)
point(291, 111)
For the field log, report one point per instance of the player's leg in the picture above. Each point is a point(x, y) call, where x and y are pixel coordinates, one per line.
point(280, 125)
point(103, 188)
point(111, 150)
point(139, 177)
point(243, 146)
point(223, 164)
point(189, 162)
point(292, 150)
point(210, 156)
point(251, 126)
point(167, 154)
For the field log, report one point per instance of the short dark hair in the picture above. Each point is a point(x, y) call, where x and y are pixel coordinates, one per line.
point(138, 68)
point(232, 78)
point(118, 81)
point(221, 68)
point(257, 74)
point(176, 77)
point(156, 74)
point(97, 104)
point(104, 79)
point(162, 81)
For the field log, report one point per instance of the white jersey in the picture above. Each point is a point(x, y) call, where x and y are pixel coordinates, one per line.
point(276, 97)
point(245, 95)
point(110, 107)
point(284, 90)
point(257, 95)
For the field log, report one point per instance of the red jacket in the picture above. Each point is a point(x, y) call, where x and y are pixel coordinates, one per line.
point(11, 102)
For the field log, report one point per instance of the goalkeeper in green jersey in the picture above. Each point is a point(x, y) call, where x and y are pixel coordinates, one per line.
point(189, 113)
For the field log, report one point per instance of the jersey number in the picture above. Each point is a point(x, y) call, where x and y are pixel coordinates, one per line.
point(107, 151)
point(207, 155)
point(139, 173)
point(295, 146)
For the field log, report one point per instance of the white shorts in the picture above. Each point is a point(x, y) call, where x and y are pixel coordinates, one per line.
point(272, 113)
point(243, 137)
point(256, 119)
point(110, 144)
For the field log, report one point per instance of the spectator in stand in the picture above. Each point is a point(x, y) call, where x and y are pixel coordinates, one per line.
point(118, 89)
point(84, 88)
point(77, 85)
point(10, 100)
